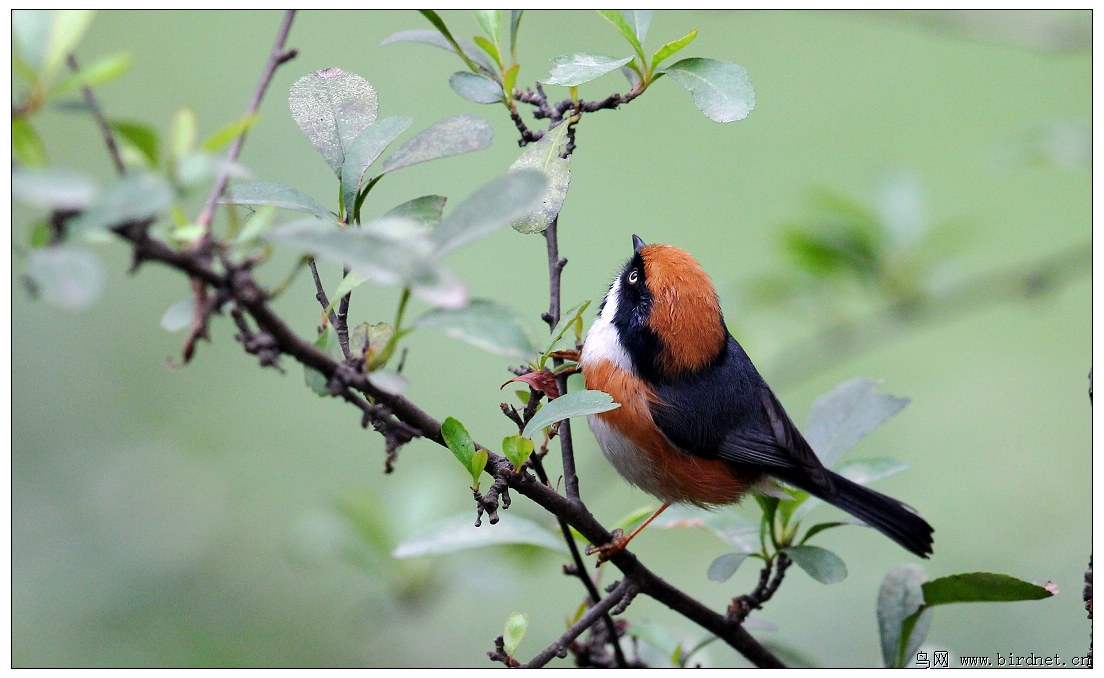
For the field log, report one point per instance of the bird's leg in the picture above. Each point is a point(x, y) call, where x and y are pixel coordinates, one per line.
point(619, 541)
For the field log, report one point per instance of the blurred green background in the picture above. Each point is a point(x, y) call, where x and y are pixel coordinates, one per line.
point(190, 517)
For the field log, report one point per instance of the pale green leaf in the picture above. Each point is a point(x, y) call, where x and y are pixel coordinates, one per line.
point(544, 155)
point(490, 20)
point(901, 595)
point(363, 151)
point(277, 195)
point(842, 417)
point(484, 324)
point(435, 38)
point(132, 198)
point(388, 381)
point(451, 136)
point(390, 251)
point(459, 533)
point(492, 207)
point(571, 70)
point(476, 88)
point(53, 188)
point(458, 440)
point(819, 563)
point(64, 276)
point(720, 89)
point(575, 404)
point(723, 567)
point(425, 210)
point(332, 107)
point(178, 316)
point(45, 38)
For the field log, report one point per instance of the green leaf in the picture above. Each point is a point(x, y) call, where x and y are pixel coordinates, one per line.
point(483, 324)
point(516, 626)
point(133, 198)
point(544, 155)
point(178, 316)
point(819, 563)
point(672, 47)
point(899, 597)
point(842, 417)
point(363, 151)
point(975, 587)
point(477, 465)
point(572, 70)
point(277, 195)
point(102, 71)
point(315, 380)
point(476, 88)
point(458, 533)
point(491, 49)
point(27, 147)
point(618, 20)
point(332, 107)
point(723, 567)
point(64, 276)
point(509, 80)
point(435, 38)
point(390, 251)
point(451, 136)
point(720, 89)
point(574, 404)
point(140, 136)
point(490, 20)
point(369, 339)
point(53, 188)
point(499, 202)
point(460, 442)
point(517, 449)
point(227, 133)
point(425, 210)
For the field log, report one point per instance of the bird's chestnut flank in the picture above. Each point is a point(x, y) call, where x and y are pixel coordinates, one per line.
point(697, 423)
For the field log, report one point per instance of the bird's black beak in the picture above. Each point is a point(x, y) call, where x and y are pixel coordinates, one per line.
point(638, 244)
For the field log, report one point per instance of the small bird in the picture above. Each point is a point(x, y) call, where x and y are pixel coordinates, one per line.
point(697, 423)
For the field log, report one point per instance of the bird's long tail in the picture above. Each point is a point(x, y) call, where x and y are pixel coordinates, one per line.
point(894, 519)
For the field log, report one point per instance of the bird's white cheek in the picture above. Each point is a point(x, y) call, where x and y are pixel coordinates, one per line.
point(602, 341)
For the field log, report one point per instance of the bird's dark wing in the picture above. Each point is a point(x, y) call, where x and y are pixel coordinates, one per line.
point(727, 411)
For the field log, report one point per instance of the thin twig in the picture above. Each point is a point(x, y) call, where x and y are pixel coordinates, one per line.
point(277, 57)
point(101, 120)
point(624, 589)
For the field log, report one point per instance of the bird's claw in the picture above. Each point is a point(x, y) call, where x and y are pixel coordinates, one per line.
point(615, 545)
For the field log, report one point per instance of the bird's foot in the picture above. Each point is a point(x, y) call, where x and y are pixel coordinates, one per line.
point(617, 543)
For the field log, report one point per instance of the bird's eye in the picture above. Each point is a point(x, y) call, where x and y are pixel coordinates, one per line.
point(633, 276)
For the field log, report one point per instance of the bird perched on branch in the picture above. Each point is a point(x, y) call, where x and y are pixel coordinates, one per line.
point(697, 423)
